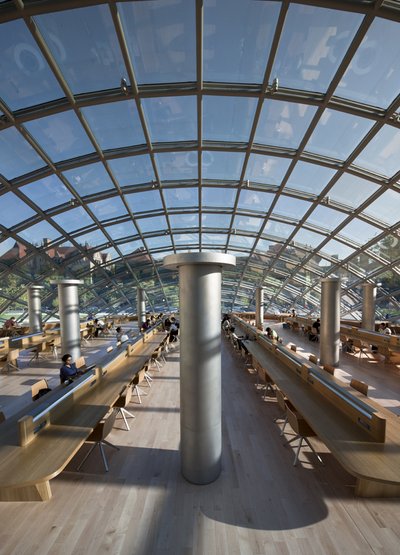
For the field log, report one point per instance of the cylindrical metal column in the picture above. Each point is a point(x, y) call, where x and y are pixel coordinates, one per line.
point(141, 306)
point(368, 307)
point(35, 308)
point(68, 306)
point(200, 362)
point(259, 308)
point(330, 321)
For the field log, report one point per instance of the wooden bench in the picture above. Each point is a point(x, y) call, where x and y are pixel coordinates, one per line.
point(37, 443)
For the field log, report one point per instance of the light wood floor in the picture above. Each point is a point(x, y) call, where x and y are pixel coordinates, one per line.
point(260, 504)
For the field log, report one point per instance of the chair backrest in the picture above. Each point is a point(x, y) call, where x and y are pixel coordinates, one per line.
point(298, 424)
point(36, 387)
point(329, 368)
point(104, 427)
point(139, 377)
point(13, 354)
point(280, 398)
point(362, 387)
point(80, 362)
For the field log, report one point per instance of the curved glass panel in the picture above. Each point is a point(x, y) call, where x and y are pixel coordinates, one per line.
point(372, 76)
point(337, 134)
point(118, 231)
point(144, 201)
point(132, 170)
point(115, 125)
point(307, 239)
point(278, 230)
point(337, 250)
point(218, 196)
point(360, 231)
point(171, 118)
point(312, 46)
point(17, 157)
point(351, 190)
point(89, 179)
point(292, 207)
point(283, 123)
point(60, 136)
point(257, 201)
point(381, 154)
point(238, 52)
point(107, 209)
point(177, 165)
point(326, 218)
point(89, 58)
point(310, 178)
point(26, 77)
point(161, 39)
point(40, 234)
point(215, 220)
point(227, 117)
point(48, 192)
point(183, 221)
point(222, 165)
point(14, 210)
point(266, 169)
point(76, 218)
point(385, 208)
point(181, 198)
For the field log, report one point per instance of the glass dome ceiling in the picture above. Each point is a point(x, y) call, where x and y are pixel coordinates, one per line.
point(265, 129)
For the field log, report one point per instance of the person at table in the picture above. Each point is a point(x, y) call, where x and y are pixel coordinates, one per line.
point(387, 330)
point(10, 326)
point(173, 330)
point(316, 325)
point(99, 325)
point(271, 333)
point(68, 371)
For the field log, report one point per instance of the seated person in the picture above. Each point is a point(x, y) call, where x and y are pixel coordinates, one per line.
point(146, 325)
point(271, 333)
point(173, 330)
point(387, 330)
point(317, 325)
point(99, 326)
point(121, 336)
point(167, 324)
point(348, 346)
point(10, 326)
point(68, 371)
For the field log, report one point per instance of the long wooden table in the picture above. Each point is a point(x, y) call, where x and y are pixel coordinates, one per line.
point(322, 400)
point(25, 470)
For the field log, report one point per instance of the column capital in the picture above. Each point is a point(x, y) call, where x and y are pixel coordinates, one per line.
point(67, 282)
point(173, 261)
point(35, 286)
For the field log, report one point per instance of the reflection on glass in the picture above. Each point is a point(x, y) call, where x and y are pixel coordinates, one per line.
point(131, 247)
point(17, 157)
point(266, 169)
point(307, 239)
point(161, 39)
point(310, 178)
point(381, 155)
point(241, 241)
point(144, 201)
point(61, 136)
point(337, 134)
point(26, 77)
point(109, 208)
point(14, 210)
point(372, 77)
point(177, 166)
point(283, 123)
point(218, 196)
point(132, 170)
point(89, 57)
point(171, 118)
point(115, 124)
point(257, 201)
point(222, 165)
point(92, 239)
point(47, 192)
point(351, 190)
point(238, 52)
point(89, 179)
point(313, 44)
point(228, 118)
point(73, 219)
point(292, 207)
point(182, 197)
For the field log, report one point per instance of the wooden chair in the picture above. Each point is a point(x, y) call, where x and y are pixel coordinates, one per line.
point(313, 359)
point(138, 379)
point(98, 437)
point(12, 359)
point(302, 430)
point(362, 387)
point(283, 403)
point(157, 357)
point(123, 400)
point(39, 389)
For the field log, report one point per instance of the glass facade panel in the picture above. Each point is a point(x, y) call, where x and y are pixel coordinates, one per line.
point(182, 197)
point(177, 166)
point(17, 157)
point(183, 221)
point(14, 210)
point(227, 117)
point(76, 218)
point(48, 192)
point(89, 179)
point(171, 118)
point(266, 169)
point(351, 190)
point(385, 208)
point(132, 170)
point(109, 208)
point(292, 207)
point(222, 165)
point(310, 178)
point(381, 155)
point(144, 201)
